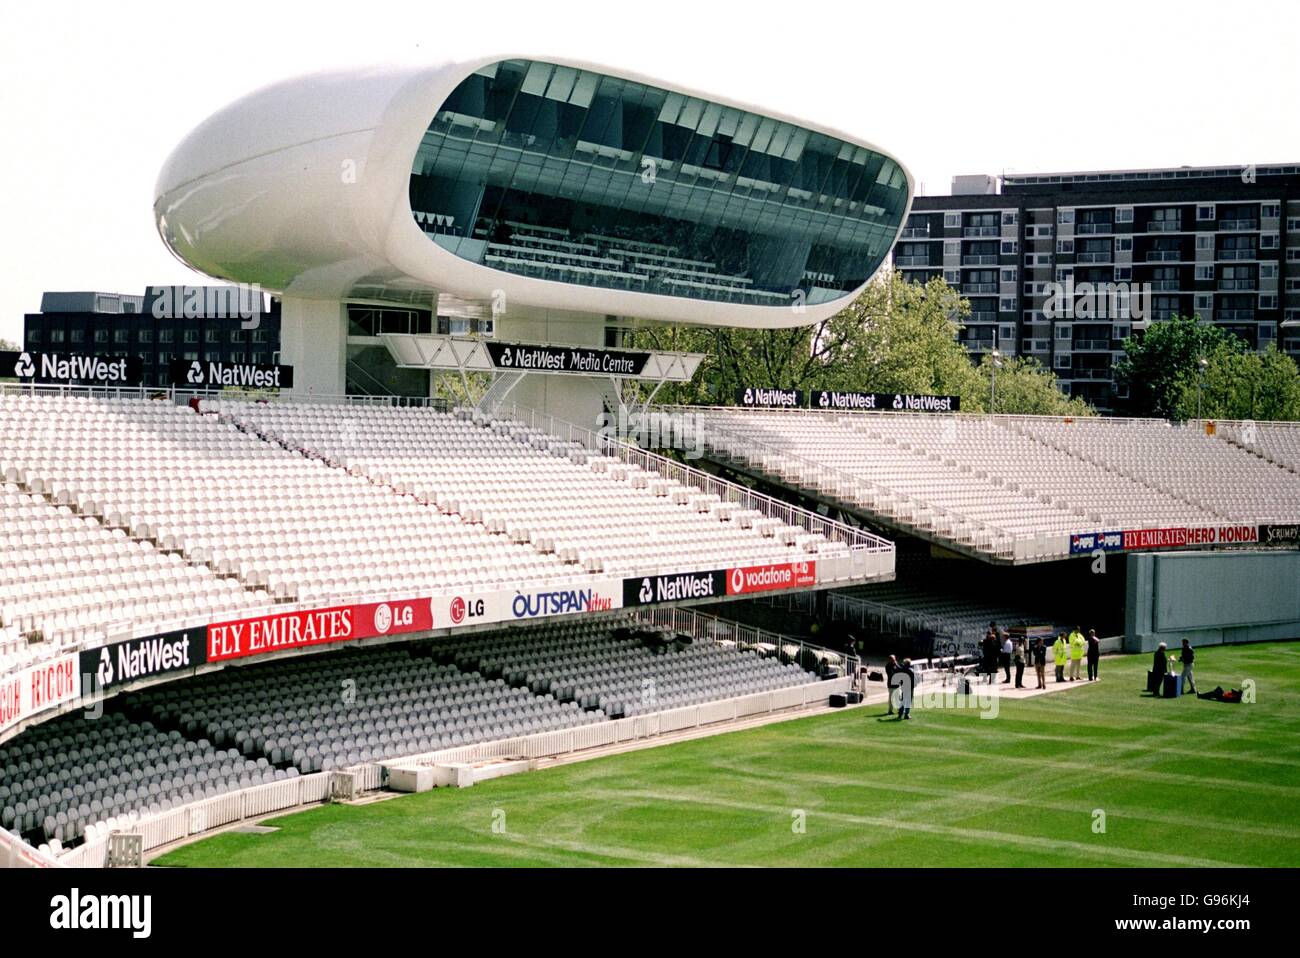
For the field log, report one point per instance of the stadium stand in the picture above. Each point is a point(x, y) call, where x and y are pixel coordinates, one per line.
point(1277, 442)
point(568, 502)
point(1005, 487)
point(197, 739)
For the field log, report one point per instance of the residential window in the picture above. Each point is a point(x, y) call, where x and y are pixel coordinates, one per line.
point(1010, 247)
point(1204, 213)
point(77, 335)
point(1270, 210)
point(952, 220)
point(121, 335)
point(56, 335)
point(1124, 214)
point(191, 336)
point(1268, 241)
point(144, 336)
point(1065, 246)
point(1065, 216)
point(1124, 244)
point(1205, 272)
point(166, 335)
point(101, 335)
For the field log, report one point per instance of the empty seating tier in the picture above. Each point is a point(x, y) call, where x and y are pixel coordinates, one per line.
point(1012, 487)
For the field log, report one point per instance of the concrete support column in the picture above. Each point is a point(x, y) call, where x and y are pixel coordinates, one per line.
point(576, 399)
point(314, 341)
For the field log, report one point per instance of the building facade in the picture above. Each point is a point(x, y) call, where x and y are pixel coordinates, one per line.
point(552, 201)
point(1063, 267)
point(108, 325)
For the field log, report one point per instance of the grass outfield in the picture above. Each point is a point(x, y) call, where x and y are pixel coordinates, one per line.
point(1184, 782)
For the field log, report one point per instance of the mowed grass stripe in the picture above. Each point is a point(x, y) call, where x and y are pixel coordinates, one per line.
point(948, 788)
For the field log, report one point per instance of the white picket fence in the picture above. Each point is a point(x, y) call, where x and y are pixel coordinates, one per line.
point(212, 813)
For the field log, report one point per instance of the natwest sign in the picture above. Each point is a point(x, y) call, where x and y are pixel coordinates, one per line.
point(294, 630)
point(145, 658)
point(218, 375)
point(769, 398)
point(36, 688)
point(768, 578)
point(59, 368)
point(678, 587)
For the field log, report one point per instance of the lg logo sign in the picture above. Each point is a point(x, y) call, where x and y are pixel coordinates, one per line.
point(462, 610)
point(386, 617)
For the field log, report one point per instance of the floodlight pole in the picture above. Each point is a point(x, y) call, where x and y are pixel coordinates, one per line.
point(995, 359)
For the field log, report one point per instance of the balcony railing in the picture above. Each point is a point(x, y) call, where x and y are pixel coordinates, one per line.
point(1163, 255)
point(1238, 224)
point(1236, 284)
point(1223, 314)
point(977, 288)
point(1084, 344)
point(1236, 254)
point(1095, 228)
point(979, 260)
point(915, 232)
point(1165, 285)
point(980, 231)
point(1083, 374)
point(911, 261)
point(982, 316)
point(1093, 257)
point(1165, 226)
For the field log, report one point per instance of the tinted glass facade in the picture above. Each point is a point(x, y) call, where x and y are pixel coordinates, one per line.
point(562, 174)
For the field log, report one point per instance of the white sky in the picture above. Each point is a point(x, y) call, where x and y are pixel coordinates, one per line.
point(94, 95)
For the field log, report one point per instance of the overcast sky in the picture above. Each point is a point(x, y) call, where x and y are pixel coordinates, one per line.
point(93, 96)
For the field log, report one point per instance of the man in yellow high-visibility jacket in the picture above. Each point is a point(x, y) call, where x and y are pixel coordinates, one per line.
point(1060, 654)
point(1078, 648)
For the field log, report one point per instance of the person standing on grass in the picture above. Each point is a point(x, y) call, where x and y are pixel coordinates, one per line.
point(1077, 649)
point(989, 654)
point(1187, 655)
point(1004, 659)
point(907, 683)
point(1040, 662)
point(891, 669)
point(1159, 666)
point(1018, 656)
point(1060, 654)
point(1094, 654)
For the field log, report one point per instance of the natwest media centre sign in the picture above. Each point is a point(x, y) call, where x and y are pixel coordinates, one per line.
point(280, 631)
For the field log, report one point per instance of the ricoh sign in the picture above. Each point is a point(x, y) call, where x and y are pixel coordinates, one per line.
point(198, 374)
point(68, 368)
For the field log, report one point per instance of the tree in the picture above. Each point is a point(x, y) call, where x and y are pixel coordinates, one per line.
point(1026, 387)
point(1243, 385)
point(1158, 367)
point(8, 347)
point(895, 336)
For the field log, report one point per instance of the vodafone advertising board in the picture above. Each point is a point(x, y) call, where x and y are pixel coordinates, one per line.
point(38, 687)
point(295, 630)
point(743, 580)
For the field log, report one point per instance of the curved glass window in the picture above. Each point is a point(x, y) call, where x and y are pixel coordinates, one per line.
point(567, 175)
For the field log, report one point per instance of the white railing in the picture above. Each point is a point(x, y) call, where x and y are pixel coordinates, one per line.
point(182, 395)
point(863, 546)
point(746, 638)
